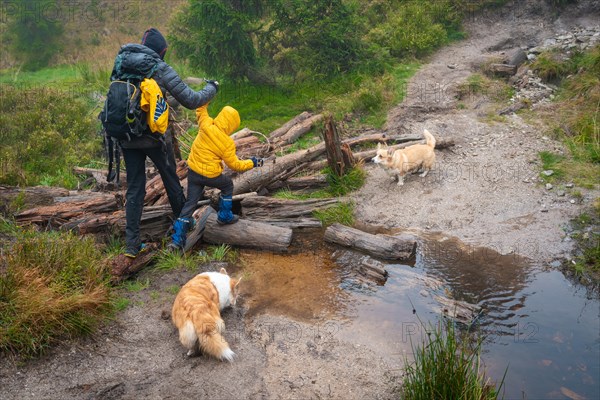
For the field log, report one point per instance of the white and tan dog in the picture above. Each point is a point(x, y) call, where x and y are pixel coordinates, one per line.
point(400, 162)
point(197, 313)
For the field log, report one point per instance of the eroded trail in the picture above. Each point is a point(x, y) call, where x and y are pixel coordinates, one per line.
point(486, 189)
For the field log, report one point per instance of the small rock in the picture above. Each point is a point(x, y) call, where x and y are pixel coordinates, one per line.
point(452, 66)
point(572, 201)
point(560, 193)
point(544, 209)
point(548, 172)
point(531, 57)
point(569, 185)
point(555, 264)
point(549, 186)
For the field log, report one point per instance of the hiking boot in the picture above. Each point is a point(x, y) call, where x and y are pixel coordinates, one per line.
point(233, 220)
point(225, 216)
point(130, 253)
point(180, 229)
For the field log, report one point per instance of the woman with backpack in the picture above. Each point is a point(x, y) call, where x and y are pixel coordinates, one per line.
point(146, 60)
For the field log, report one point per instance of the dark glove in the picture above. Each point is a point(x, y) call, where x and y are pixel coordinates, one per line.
point(258, 162)
point(212, 82)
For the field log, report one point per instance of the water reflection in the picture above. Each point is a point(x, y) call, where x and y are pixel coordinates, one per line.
point(544, 329)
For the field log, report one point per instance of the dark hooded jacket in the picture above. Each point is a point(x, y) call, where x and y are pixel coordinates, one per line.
point(135, 60)
point(138, 60)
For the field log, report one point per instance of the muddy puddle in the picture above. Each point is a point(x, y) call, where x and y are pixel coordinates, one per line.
point(534, 321)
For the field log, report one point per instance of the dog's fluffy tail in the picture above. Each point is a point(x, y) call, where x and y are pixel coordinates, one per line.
point(430, 139)
point(187, 335)
point(211, 341)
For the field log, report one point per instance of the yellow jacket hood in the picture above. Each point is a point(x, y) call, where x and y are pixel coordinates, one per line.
point(213, 144)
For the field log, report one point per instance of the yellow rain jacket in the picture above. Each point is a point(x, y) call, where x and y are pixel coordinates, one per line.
point(213, 144)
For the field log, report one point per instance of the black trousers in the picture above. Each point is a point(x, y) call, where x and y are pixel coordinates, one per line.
point(135, 166)
point(196, 184)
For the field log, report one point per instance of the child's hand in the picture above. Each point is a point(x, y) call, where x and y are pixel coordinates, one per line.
point(257, 162)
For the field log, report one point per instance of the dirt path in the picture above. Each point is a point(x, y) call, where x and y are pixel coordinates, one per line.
point(484, 191)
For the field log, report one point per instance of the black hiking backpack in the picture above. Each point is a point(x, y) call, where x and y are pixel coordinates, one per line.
point(122, 116)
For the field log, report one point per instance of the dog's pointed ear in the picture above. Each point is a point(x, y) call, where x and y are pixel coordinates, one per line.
point(223, 271)
point(390, 152)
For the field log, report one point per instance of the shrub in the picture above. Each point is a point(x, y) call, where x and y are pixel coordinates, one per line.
point(414, 29)
point(44, 133)
point(217, 36)
point(52, 286)
point(313, 39)
point(35, 36)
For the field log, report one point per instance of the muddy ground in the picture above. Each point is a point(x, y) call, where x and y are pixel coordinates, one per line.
point(484, 191)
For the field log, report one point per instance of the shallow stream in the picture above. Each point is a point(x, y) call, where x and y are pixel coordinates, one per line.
point(533, 320)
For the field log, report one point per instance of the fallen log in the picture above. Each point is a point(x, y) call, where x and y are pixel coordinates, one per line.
point(291, 223)
point(373, 270)
point(200, 217)
point(288, 125)
point(257, 207)
point(298, 130)
point(123, 267)
point(258, 178)
point(380, 246)
point(57, 214)
point(242, 133)
point(302, 182)
point(29, 197)
point(381, 138)
point(98, 174)
point(369, 154)
point(245, 233)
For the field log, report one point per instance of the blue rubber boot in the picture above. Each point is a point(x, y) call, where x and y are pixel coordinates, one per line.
point(225, 216)
point(180, 229)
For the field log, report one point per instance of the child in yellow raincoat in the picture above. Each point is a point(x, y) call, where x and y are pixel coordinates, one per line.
point(211, 147)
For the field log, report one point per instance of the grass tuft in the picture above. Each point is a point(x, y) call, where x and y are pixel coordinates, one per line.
point(53, 286)
point(169, 260)
point(447, 366)
point(342, 213)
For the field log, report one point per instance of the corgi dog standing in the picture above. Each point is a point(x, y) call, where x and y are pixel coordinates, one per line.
point(413, 158)
point(197, 313)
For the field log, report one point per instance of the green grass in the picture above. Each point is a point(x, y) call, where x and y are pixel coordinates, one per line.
point(337, 186)
point(576, 114)
point(114, 246)
point(54, 287)
point(168, 260)
point(342, 213)
point(173, 289)
point(587, 260)
point(447, 366)
point(552, 162)
point(136, 285)
point(342, 185)
point(223, 252)
point(120, 304)
point(62, 74)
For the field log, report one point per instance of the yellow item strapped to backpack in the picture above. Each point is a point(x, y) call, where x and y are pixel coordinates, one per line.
point(155, 106)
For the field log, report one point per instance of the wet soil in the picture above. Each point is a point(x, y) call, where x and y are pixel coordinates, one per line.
point(484, 192)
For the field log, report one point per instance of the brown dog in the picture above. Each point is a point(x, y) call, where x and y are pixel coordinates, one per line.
point(410, 159)
point(197, 313)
